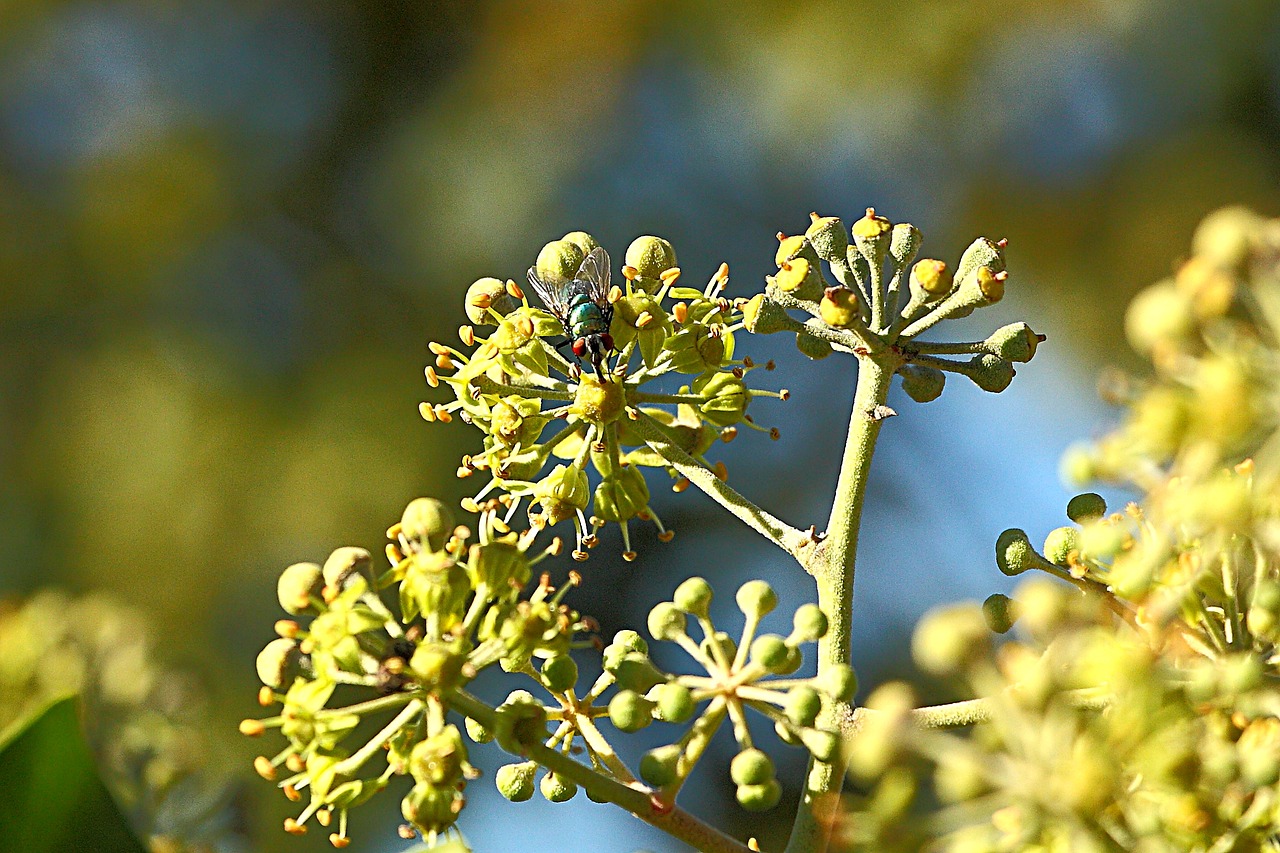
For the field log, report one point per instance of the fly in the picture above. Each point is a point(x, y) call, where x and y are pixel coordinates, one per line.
point(581, 304)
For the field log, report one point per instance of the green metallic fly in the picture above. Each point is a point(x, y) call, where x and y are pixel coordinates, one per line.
point(581, 304)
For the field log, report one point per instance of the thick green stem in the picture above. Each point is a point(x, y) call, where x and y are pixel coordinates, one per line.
point(638, 800)
point(833, 571)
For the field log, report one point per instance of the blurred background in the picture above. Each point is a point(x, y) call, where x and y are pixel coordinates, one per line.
point(227, 232)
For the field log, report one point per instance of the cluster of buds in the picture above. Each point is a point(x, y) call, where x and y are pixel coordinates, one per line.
point(882, 298)
point(532, 403)
point(462, 607)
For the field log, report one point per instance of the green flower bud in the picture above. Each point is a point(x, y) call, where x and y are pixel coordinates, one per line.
point(1014, 554)
point(625, 641)
point(803, 705)
point(922, 383)
point(1014, 342)
point(991, 372)
point(828, 237)
point(629, 711)
point(930, 279)
point(515, 781)
point(582, 240)
point(756, 599)
point(771, 652)
point(811, 347)
point(437, 665)
point(693, 597)
point(661, 766)
point(871, 234)
point(299, 588)
point(809, 624)
point(904, 242)
point(1089, 506)
point(635, 671)
point(426, 524)
point(666, 622)
point(981, 253)
point(839, 307)
point(725, 398)
point(759, 798)
point(477, 732)
point(839, 682)
point(439, 759)
point(429, 808)
point(559, 673)
point(1000, 611)
point(801, 280)
point(651, 256)
point(484, 294)
point(521, 721)
point(557, 788)
point(559, 261)
point(762, 316)
point(822, 745)
point(345, 563)
point(673, 702)
point(279, 663)
point(751, 767)
point(949, 637)
point(1159, 315)
point(1059, 544)
point(622, 496)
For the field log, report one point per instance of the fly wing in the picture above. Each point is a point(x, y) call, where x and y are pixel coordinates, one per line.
point(550, 294)
point(595, 273)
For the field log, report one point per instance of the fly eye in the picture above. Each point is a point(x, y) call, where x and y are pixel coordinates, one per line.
point(580, 347)
point(607, 340)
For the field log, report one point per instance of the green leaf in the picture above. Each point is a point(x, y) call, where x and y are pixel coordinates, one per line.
point(51, 798)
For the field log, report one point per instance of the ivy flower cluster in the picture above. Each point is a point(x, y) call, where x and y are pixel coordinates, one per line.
point(669, 388)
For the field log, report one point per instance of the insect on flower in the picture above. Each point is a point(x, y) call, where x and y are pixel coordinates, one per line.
point(581, 304)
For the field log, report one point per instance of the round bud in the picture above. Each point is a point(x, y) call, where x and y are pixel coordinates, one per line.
point(1086, 507)
point(1000, 611)
point(1014, 554)
point(666, 622)
point(515, 781)
point(299, 587)
point(809, 624)
point(839, 307)
point(803, 705)
point(1015, 342)
point(828, 237)
point(484, 294)
point(751, 767)
point(922, 383)
point(947, 638)
point(582, 240)
point(345, 563)
point(673, 702)
point(771, 652)
point(660, 767)
point(932, 277)
point(694, 597)
point(279, 663)
point(631, 641)
point(478, 733)
point(812, 347)
point(839, 682)
point(651, 256)
point(991, 372)
point(559, 673)
point(760, 798)
point(1059, 544)
point(629, 711)
point(635, 671)
point(558, 261)
point(823, 745)
point(904, 242)
point(557, 788)
point(762, 316)
point(756, 599)
point(426, 524)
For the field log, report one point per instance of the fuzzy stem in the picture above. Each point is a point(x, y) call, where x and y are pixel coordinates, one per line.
point(834, 575)
point(639, 801)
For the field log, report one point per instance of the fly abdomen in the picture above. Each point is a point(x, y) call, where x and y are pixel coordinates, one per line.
point(585, 317)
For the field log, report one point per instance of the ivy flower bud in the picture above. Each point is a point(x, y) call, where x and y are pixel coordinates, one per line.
point(559, 673)
point(484, 294)
point(345, 563)
point(279, 663)
point(871, 234)
point(299, 588)
point(756, 599)
point(810, 624)
point(725, 398)
point(629, 711)
point(1000, 611)
point(1089, 506)
point(515, 781)
point(559, 261)
point(622, 496)
point(805, 280)
point(828, 237)
point(521, 721)
point(557, 788)
point(429, 808)
point(980, 253)
point(1015, 342)
point(1059, 544)
point(823, 745)
point(762, 316)
point(627, 640)
point(582, 240)
point(812, 347)
point(751, 767)
point(661, 766)
point(904, 242)
point(839, 307)
point(759, 798)
point(839, 682)
point(693, 596)
point(636, 672)
point(673, 702)
point(1014, 554)
point(437, 665)
point(477, 731)
point(991, 372)
point(948, 638)
point(931, 279)
point(803, 705)
point(562, 494)
point(440, 759)
point(922, 383)
point(651, 257)
point(666, 622)
point(771, 652)
point(426, 524)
